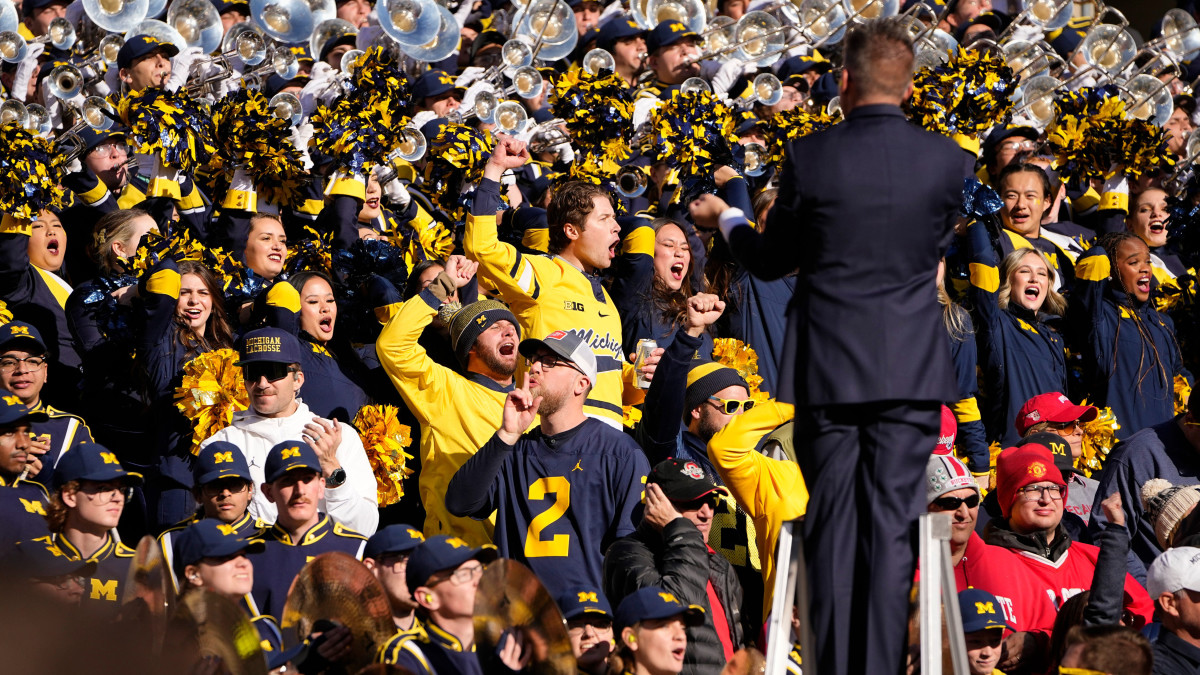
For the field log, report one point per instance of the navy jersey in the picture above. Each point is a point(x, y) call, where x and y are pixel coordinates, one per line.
point(278, 565)
point(559, 500)
point(102, 594)
point(270, 638)
point(22, 513)
point(435, 652)
point(62, 431)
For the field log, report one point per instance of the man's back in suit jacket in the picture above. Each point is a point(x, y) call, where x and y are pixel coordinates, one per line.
point(865, 210)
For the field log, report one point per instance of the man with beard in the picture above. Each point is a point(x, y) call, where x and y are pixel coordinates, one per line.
point(564, 491)
point(457, 413)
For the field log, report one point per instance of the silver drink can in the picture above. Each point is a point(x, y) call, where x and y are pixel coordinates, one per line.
point(644, 347)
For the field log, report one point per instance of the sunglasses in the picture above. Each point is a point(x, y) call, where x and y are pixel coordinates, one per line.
point(697, 504)
point(274, 372)
point(732, 406)
point(952, 503)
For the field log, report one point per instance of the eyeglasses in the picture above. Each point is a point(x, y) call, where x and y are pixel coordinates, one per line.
point(235, 486)
point(110, 150)
point(465, 574)
point(732, 406)
point(1019, 146)
point(273, 371)
point(9, 363)
point(952, 503)
point(103, 494)
point(550, 361)
point(1033, 493)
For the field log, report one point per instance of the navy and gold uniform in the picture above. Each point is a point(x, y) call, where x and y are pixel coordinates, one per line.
point(435, 653)
point(1020, 354)
point(550, 294)
point(277, 566)
point(1131, 356)
point(559, 500)
point(62, 431)
point(22, 512)
point(103, 590)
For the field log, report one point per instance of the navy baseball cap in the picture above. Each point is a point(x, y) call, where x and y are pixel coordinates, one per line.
point(289, 456)
point(221, 459)
point(30, 5)
point(653, 602)
point(12, 410)
point(998, 136)
point(621, 27)
point(40, 559)
point(224, 6)
point(92, 461)
point(569, 345)
point(667, 33)
point(22, 336)
point(393, 539)
point(140, 45)
point(980, 610)
point(794, 67)
point(580, 600)
point(432, 83)
point(210, 538)
point(442, 553)
point(270, 345)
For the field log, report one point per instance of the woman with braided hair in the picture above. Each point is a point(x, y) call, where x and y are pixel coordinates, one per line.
point(1131, 357)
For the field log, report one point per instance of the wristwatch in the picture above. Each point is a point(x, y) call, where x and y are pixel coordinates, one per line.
point(336, 479)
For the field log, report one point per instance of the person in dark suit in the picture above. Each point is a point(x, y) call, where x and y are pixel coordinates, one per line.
point(865, 211)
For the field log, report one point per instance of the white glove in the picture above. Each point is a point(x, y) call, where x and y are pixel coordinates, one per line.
point(728, 75)
point(25, 71)
point(396, 193)
point(1028, 34)
point(610, 10)
point(74, 166)
point(241, 181)
point(468, 99)
point(642, 109)
point(301, 134)
point(709, 68)
point(322, 75)
point(566, 153)
point(181, 67)
point(469, 75)
point(100, 87)
point(1118, 183)
point(422, 118)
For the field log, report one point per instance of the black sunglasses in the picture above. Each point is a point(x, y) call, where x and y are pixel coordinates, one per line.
point(272, 370)
point(952, 503)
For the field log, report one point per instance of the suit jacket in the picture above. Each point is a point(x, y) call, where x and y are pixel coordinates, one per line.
point(865, 210)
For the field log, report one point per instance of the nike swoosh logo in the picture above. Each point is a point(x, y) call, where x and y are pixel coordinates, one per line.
point(604, 316)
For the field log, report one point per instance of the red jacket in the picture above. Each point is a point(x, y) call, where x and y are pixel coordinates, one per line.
point(1031, 588)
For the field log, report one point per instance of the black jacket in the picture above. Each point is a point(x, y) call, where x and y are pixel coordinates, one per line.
point(865, 210)
point(677, 560)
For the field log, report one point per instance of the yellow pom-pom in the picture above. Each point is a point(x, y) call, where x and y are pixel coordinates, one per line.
point(735, 354)
point(5, 313)
point(1099, 436)
point(211, 391)
point(1183, 391)
point(385, 440)
point(631, 415)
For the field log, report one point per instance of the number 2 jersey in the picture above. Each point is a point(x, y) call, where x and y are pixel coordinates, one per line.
point(559, 500)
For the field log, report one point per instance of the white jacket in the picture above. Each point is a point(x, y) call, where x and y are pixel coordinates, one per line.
point(355, 504)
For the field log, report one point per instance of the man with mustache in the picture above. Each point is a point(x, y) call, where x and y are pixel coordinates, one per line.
point(301, 532)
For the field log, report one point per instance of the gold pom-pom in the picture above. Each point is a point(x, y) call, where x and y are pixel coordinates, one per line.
point(1183, 391)
point(994, 451)
point(631, 415)
point(5, 313)
point(735, 354)
point(211, 391)
point(1099, 437)
point(385, 441)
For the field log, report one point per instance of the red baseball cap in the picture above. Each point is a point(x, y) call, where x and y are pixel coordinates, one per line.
point(1052, 407)
point(1018, 467)
point(945, 442)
